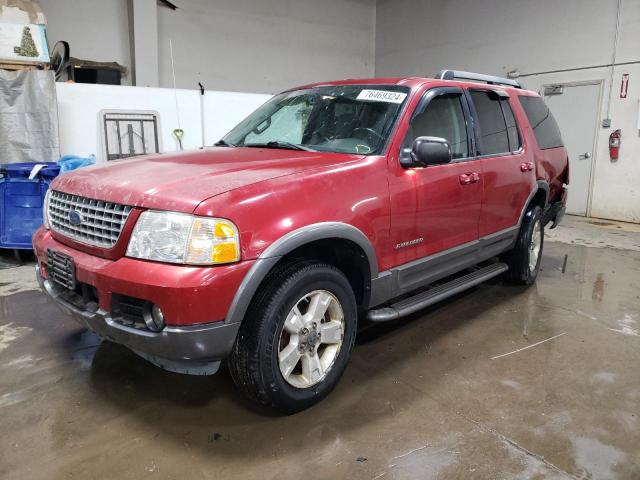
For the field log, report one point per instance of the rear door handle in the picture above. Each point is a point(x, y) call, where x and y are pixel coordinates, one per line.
point(526, 166)
point(465, 179)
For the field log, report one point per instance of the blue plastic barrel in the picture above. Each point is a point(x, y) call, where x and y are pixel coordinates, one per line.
point(21, 202)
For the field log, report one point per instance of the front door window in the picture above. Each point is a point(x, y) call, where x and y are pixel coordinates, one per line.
point(443, 117)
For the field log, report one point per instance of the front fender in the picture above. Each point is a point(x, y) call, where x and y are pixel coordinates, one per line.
point(288, 243)
point(347, 201)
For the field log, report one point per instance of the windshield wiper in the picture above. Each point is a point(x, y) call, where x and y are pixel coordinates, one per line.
point(223, 143)
point(279, 144)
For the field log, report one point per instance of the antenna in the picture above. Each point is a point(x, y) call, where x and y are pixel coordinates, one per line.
point(202, 110)
point(178, 132)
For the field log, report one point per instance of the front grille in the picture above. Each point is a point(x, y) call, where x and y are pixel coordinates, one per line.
point(94, 222)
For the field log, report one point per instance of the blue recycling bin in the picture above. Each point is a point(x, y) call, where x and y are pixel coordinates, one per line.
point(21, 201)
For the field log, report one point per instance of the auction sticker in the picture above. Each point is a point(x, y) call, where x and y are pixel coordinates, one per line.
point(382, 96)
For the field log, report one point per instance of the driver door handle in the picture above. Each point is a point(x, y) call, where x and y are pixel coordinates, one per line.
point(526, 166)
point(469, 178)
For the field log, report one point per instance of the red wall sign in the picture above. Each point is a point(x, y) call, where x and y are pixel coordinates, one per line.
point(624, 86)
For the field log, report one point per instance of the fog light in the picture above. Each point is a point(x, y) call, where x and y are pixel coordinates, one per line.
point(154, 318)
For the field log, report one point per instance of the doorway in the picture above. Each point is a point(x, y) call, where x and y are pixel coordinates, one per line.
point(576, 109)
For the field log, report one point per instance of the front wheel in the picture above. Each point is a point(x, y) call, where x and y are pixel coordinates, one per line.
point(297, 337)
point(524, 259)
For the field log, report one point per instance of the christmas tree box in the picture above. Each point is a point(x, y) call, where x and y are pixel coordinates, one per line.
point(23, 43)
point(22, 33)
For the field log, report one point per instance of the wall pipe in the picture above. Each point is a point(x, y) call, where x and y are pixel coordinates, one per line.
point(613, 63)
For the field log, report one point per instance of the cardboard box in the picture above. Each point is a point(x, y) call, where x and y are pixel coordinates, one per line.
point(23, 39)
point(24, 43)
point(21, 11)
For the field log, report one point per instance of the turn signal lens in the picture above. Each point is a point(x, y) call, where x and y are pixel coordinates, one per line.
point(224, 230)
point(213, 240)
point(225, 253)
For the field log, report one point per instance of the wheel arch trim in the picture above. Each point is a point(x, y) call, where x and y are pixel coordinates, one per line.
point(540, 185)
point(543, 185)
point(288, 243)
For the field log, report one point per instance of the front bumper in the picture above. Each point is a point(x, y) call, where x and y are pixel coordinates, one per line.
point(195, 302)
point(195, 350)
point(188, 295)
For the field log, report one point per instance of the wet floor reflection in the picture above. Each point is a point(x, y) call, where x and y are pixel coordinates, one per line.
point(430, 395)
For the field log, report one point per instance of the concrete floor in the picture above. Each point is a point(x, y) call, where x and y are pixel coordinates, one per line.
point(451, 393)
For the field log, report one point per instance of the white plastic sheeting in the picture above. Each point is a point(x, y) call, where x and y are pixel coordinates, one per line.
point(28, 117)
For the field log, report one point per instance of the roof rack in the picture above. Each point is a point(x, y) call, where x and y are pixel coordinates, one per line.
point(479, 77)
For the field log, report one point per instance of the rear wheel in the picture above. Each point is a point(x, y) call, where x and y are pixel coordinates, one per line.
point(524, 259)
point(297, 336)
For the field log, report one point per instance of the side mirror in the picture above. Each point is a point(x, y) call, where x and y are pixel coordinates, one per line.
point(426, 151)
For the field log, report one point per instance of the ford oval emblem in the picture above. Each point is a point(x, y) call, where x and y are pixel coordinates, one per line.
point(75, 218)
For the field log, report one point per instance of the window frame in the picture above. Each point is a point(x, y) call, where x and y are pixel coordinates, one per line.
point(507, 99)
point(422, 105)
point(476, 122)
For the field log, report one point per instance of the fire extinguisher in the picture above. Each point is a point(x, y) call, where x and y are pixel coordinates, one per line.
point(614, 144)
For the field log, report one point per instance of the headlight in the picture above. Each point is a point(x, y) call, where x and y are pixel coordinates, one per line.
point(45, 210)
point(180, 238)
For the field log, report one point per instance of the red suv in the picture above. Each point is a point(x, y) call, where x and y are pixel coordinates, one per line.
point(331, 202)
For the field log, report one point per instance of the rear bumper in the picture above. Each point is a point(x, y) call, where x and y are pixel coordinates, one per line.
point(195, 349)
point(554, 213)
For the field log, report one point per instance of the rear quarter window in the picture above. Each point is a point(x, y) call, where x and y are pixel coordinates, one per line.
point(544, 125)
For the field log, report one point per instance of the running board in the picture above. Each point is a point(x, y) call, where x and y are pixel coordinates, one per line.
point(434, 295)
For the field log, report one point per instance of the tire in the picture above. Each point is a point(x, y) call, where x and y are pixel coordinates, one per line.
point(523, 261)
point(265, 350)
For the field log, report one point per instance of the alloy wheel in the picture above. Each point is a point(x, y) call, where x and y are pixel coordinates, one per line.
point(535, 246)
point(311, 338)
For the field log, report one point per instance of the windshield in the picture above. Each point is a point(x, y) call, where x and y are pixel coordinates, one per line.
point(345, 118)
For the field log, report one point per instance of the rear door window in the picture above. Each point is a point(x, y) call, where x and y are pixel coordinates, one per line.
point(494, 138)
point(544, 125)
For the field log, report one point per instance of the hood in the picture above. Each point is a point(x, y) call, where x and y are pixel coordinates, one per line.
point(179, 182)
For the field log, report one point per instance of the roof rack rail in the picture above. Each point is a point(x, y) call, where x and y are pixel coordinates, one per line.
point(479, 77)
